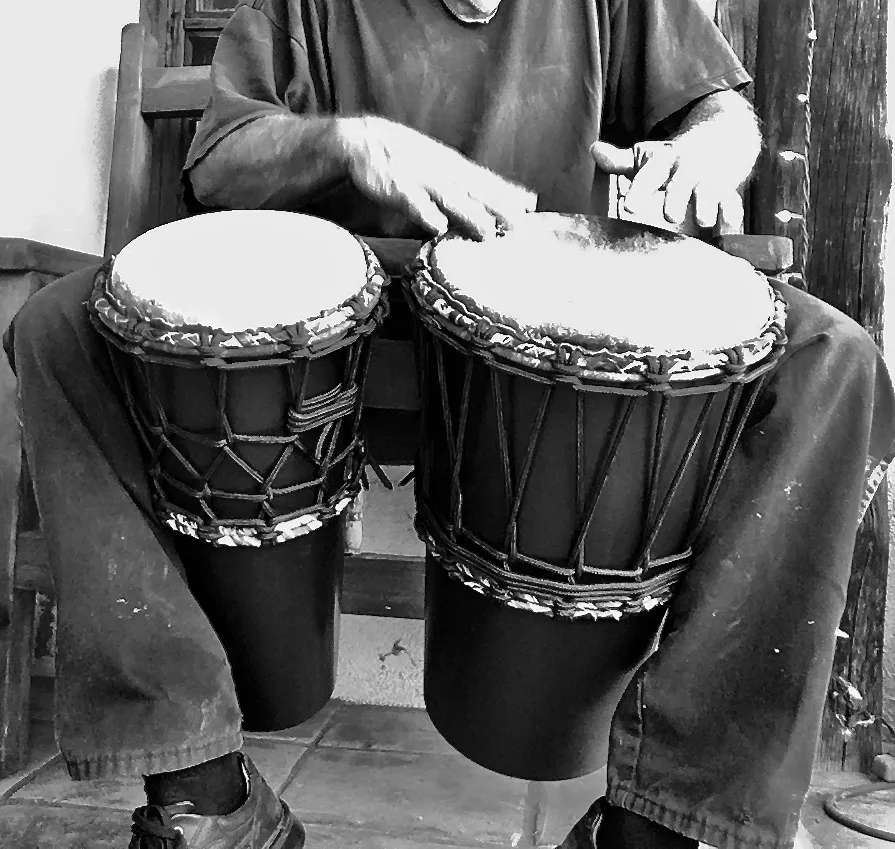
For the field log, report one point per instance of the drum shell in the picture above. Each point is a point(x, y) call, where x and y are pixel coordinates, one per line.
point(520, 693)
point(276, 611)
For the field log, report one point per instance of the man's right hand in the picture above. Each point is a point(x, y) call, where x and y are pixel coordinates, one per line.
point(431, 183)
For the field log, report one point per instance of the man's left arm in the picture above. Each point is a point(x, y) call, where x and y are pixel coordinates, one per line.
point(704, 162)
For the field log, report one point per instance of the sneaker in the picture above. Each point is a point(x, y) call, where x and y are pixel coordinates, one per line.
point(262, 822)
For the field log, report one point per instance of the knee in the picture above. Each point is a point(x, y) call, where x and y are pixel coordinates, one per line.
point(815, 325)
point(51, 318)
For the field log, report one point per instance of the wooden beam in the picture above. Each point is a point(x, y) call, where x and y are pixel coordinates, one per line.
point(129, 177)
point(391, 378)
point(849, 174)
point(851, 179)
point(384, 585)
point(175, 92)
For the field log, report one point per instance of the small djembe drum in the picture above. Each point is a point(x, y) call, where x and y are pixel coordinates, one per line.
point(241, 342)
point(584, 383)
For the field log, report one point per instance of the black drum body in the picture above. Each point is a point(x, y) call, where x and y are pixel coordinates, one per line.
point(276, 612)
point(523, 694)
point(558, 504)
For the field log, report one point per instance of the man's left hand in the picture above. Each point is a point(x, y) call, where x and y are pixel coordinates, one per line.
point(686, 173)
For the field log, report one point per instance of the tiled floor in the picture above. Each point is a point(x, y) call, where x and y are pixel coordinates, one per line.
point(358, 776)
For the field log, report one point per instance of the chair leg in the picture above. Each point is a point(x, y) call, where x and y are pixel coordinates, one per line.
point(15, 683)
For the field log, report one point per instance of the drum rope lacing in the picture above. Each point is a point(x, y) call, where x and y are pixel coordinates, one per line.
point(321, 417)
point(573, 589)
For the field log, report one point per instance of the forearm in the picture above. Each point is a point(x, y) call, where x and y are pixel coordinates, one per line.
point(277, 161)
point(723, 131)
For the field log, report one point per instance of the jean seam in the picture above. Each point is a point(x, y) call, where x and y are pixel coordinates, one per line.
point(638, 746)
point(121, 763)
point(677, 817)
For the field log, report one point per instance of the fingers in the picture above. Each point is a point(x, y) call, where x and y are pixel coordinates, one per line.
point(678, 194)
point(614, 160)
point(659, 165)
point(730, 215)
point(422, 209)
point(503, 197)
point(466, 212)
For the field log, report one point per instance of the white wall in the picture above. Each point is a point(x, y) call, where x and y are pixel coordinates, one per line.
point(58, 72)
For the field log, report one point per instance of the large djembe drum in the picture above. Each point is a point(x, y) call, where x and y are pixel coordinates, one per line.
point(241, 341)
point(584, 382)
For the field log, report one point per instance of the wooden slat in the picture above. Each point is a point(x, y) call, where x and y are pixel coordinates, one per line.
point(14, 291)
point(27, 255)
point(15, 691)
point(32, 564)
point(207, 22)
point(392, 380)
point(384, 585)
point(129, 178)
point(175, 92)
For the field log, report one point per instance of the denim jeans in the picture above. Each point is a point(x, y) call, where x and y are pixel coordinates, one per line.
point(715, 736)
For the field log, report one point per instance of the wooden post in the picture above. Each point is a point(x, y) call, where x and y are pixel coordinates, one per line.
point(839, 245)
point(129, 188)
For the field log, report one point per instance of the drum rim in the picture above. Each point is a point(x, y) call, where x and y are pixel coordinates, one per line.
point(484, 330)
point(360, 314)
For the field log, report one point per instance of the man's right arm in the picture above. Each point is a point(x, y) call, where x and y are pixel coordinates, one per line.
point(277, 161)
point(281, 161)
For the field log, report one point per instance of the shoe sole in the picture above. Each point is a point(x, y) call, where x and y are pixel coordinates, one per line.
point(290, 833)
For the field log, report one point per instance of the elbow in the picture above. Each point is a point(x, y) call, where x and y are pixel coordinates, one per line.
point(207, 182)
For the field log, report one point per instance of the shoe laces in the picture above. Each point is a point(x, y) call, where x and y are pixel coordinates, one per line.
point(152, 829)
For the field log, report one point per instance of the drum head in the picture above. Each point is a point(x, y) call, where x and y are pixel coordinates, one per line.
point(603, 282)
point(240, 270)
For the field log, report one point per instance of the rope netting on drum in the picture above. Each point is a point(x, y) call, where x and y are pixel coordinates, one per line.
point(321, 436)
point(465, 395)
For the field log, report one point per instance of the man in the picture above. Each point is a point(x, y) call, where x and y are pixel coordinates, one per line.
point(397, 119)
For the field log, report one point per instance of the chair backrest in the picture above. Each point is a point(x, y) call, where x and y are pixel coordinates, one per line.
point(155, 114)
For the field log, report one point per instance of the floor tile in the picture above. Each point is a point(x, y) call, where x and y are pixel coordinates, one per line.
point(380, 661)
point(26, 825)
point(53, 784)
point(385, 729)
point(307, 732)
point(554, 807)
point(434, 797)
point(336, 837)
point(274, 759)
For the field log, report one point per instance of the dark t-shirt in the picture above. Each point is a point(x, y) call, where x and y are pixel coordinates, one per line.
point(524, 95)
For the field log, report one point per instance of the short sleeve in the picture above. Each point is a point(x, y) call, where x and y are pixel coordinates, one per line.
point(663, 55)
point(266, 62)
